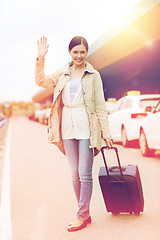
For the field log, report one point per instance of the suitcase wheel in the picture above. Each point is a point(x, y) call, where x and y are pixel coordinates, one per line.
point(137, 213)
point(115, 214)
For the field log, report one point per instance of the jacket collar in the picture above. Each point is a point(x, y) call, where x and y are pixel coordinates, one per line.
point(66, 69)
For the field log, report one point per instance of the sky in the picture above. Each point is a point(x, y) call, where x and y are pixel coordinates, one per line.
point(22, 23)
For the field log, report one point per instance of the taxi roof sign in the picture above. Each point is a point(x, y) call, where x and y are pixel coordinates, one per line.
point(133, 93)
point(111, 100)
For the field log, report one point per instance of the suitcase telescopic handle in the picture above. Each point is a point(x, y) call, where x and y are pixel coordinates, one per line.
point(104, 159)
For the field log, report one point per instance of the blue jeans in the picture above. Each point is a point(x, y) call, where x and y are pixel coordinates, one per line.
point(80, 158)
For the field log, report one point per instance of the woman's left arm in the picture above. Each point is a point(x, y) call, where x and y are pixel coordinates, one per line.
point(100, 108)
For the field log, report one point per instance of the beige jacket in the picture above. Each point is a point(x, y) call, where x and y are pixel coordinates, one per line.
point(93, 99)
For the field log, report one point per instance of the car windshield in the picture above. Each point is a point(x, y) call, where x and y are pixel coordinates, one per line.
point(148, 102)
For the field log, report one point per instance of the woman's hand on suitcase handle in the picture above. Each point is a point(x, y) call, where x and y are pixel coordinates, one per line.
point(109, 142)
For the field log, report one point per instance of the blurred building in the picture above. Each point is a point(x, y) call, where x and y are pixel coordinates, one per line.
point(128, 58)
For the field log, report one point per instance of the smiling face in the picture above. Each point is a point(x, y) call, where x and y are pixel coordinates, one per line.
point(78, 54)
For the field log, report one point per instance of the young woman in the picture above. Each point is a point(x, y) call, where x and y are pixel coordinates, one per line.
point(78, 121)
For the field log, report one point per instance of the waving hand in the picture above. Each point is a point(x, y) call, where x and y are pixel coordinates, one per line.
point(42, 47)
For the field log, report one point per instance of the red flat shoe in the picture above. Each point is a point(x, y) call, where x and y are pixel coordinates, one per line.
point(87, 220)
point(74, 229)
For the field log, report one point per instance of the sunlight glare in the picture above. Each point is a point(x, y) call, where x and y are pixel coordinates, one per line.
point(119, 11)
point(102, 16)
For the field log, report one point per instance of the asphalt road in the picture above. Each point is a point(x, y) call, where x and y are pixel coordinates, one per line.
point(42, 198)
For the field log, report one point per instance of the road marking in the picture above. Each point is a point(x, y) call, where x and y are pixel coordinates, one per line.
point(5, 208)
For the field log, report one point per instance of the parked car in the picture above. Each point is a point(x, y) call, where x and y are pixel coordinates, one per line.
point(42, 115)
point(110, 103)
point(37, 115)
point(46, 115)
point(149, 133)
point(126, 116)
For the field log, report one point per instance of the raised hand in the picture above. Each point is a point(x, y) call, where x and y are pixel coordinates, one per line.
point(42, 47)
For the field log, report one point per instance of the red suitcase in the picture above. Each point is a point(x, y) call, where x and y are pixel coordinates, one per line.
point(121, 187)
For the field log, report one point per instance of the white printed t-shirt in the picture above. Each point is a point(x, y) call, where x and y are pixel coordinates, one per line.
point(75, 124)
